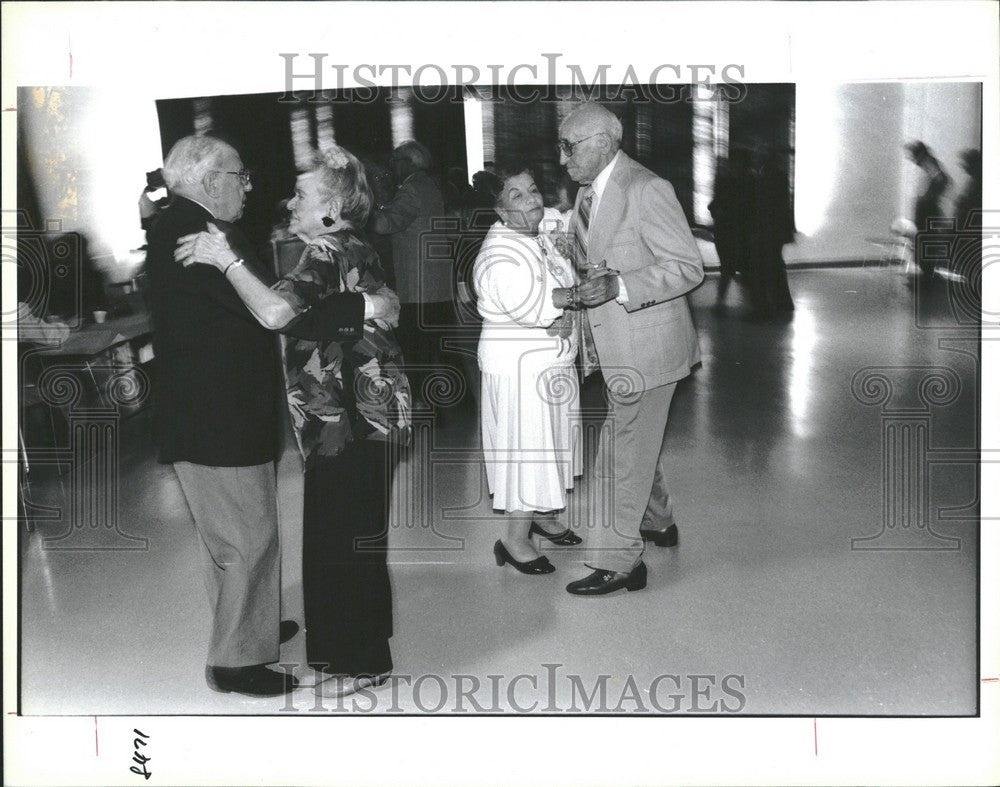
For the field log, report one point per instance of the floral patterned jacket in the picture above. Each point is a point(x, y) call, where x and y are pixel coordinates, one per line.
point(340, 391)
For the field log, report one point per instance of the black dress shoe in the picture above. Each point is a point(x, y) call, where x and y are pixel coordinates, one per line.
point(540, 565)
point(286, 630)
point(603, 581)
point(567, 538)
point(254, 681)
point(342, 685)
point(662, 538)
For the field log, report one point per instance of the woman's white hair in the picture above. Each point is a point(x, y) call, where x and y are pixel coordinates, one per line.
point(340, 174)
point(191, 158)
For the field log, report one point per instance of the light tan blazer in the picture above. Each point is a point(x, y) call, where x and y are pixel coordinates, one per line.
point(640, 230)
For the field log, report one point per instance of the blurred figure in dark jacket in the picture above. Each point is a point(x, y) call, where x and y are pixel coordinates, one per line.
point(423, 281)
point(967, 257)
point(971, 199)
point(732, 208)
point(379, 174)
point(774, 226)
point(935, 182)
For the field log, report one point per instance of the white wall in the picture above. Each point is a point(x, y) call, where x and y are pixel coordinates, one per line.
point(89, 150)
point(852, 178)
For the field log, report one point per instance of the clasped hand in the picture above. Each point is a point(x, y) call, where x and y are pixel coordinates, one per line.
point(212, 248)
point(385, 307)
point(599, 286)
point(209, 247)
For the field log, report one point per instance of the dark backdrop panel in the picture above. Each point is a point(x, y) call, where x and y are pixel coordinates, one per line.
point(440, 125)
point(763, 118)
point(364, 127)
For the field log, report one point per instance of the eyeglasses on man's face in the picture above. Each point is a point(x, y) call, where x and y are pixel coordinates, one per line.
point(244, 174)
point(566, 147)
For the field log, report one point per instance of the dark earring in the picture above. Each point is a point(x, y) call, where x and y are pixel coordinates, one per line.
point(327, 221)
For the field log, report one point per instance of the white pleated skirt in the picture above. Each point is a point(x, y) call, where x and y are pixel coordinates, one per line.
point(532, 439)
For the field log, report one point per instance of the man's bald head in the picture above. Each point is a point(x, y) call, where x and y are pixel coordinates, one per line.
point(594, 135)
point(205, 169)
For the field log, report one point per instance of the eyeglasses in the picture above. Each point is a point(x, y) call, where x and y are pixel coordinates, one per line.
point(567, 147)
point(244, 174)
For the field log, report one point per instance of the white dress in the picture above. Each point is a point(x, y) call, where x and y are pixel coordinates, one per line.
point(532, 442)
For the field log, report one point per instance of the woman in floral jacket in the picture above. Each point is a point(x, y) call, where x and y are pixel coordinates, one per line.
point(350, 403)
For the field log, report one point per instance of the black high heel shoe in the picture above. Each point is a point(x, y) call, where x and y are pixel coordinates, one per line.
point(540, 565)
point(565, 539)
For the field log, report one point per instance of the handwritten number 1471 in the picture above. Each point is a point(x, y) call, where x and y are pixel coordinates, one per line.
point(138, 757)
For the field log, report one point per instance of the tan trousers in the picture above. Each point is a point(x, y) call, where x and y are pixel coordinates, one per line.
point(630, 480)
point(236, 517)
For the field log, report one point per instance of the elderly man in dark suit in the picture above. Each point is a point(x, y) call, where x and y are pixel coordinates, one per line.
point(423, 280)
point(216, 391)
point(639, 259)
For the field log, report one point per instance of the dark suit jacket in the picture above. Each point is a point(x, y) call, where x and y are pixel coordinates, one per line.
point(422, 273)
point(217, 382)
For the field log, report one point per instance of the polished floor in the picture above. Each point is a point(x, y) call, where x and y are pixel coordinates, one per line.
point(827, 565)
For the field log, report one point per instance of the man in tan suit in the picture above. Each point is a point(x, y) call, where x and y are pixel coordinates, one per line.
point(633, 244)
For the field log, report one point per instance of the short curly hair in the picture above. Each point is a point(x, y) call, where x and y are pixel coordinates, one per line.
point(340, 174)
point(491, 184)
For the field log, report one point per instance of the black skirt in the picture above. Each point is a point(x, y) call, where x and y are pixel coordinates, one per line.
point(348, 597)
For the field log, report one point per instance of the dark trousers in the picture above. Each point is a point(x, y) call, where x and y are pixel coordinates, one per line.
point(423, 328)
point(769, 281)
point(348, 598)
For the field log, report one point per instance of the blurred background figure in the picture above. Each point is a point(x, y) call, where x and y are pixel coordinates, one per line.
point(456, 190)
point(971, 198)
point(424, 285)
point(968, 253)
point(378, 170)
point(934, 183)
point(566, 190)
point(773, 225)
point(732, 208)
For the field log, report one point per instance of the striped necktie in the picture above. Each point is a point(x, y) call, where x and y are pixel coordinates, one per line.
point(581, 230)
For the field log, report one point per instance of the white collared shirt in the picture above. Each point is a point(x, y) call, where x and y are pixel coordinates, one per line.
point(598, 185)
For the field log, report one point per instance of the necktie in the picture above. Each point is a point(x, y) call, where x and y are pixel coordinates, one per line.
point(581, 231)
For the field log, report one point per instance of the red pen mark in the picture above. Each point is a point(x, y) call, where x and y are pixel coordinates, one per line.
point(97, 750)
point(70, 57)
point(990, 680)
point(10, 109)
point(815, 740)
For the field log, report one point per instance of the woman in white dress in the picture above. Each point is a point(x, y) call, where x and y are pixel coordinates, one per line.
point(530, 393)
